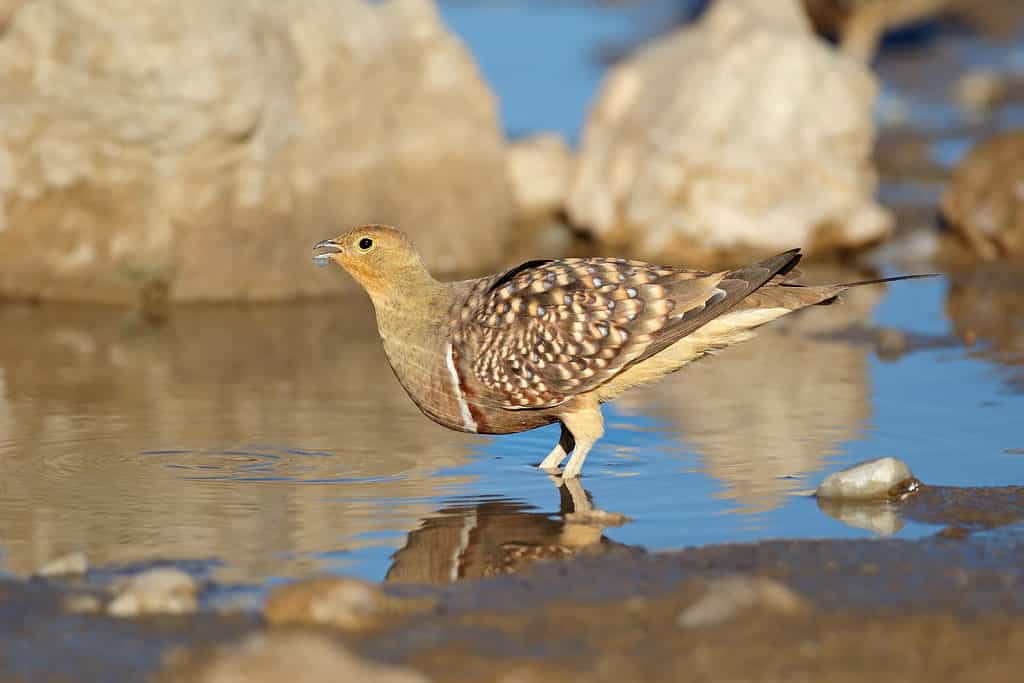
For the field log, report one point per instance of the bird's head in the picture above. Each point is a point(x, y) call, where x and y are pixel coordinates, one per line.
point(381, 259)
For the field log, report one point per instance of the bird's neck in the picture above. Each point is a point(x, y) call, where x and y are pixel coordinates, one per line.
point(415, 328)
point(413, 322)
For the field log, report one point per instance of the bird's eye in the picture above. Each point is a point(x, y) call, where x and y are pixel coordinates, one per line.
point(365, 244)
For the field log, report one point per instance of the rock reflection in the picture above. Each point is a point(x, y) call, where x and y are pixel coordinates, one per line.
point(775, 408)
point(127, 440)
point(967, 509)
point(879, 516)
point(498, 537)
point(986, 305)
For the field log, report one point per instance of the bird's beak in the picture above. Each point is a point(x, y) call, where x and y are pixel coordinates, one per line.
point(325, 257)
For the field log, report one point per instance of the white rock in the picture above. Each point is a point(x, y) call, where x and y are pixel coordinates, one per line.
point(871, 479)
point(208, 147)
point(74, 563)
point(538, 168)
point(744, 131)
point(727, 597)
point(155, 591)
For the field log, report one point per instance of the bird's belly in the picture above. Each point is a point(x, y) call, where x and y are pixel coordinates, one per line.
point(501, 421)
point(481, 419)
point(729, 329)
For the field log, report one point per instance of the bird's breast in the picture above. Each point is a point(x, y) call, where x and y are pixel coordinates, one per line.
point(440, 384)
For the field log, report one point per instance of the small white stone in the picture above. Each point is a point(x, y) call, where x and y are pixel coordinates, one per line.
point(72, 564)
point(155, 591)
point(870, 479)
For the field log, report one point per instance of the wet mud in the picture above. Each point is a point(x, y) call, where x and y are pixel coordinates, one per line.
point(945, 607)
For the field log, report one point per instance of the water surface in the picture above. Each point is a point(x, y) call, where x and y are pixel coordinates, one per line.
point(273, 441)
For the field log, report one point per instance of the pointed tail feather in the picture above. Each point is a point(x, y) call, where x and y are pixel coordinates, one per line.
point(882, 280)
point(836, 290)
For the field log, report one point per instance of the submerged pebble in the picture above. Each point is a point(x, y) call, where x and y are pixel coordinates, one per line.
point(155, 591)
point(341, 602)
point(727, 597)
point(72, 564)
point(881, 478)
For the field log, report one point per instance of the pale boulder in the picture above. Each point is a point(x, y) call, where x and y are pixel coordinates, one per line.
point(204, 147)
point(539, 168)
point(744, 132)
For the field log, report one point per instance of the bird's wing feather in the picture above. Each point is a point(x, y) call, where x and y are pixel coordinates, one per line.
point(540, 334)
point(734, 287)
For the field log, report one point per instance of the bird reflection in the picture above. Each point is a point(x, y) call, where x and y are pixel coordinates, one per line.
point(501, 536)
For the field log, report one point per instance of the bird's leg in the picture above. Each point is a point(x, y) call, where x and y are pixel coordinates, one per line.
point(583, 419)
point(565, 444)
point(584, 523)
point(581, 503)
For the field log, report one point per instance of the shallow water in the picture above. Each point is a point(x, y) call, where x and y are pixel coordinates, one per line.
point(255, 444)
point(269, 442)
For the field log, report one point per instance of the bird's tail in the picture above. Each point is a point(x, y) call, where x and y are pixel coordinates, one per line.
point(882, 280)
point(830, 293)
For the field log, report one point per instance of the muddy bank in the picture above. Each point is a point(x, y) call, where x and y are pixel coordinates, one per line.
point(41, 639)
point(846, 609)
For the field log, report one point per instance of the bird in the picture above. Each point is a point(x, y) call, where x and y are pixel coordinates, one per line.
point(551, 340)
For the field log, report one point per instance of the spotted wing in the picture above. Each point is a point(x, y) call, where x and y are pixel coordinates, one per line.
point(742, 286)
point(549, 330)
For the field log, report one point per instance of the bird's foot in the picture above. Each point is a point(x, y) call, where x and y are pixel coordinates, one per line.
point(551, 464)
point(596, 518)
point(572, 471)
point(554, 472)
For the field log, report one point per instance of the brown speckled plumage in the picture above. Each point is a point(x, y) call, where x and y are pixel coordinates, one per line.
point(550, 340)
point(560, 328)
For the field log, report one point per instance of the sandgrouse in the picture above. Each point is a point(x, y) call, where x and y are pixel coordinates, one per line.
point(551, 340)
